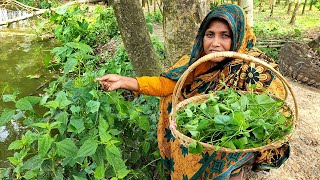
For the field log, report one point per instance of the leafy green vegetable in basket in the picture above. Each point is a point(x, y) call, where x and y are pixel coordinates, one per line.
point(235, 120)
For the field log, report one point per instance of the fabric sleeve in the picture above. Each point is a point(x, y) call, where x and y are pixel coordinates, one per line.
point(155, 85)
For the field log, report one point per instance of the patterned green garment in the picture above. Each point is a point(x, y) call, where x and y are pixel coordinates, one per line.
point(178, 162)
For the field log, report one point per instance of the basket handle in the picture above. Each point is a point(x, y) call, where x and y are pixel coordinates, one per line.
point(231, 54)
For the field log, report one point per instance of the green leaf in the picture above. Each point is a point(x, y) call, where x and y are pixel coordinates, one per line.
point(76, 125)
point(88, 148)
point(222, 119)
point(259, 133)
point(17, 144)
point(52, 104)
point(9, 98)
point(70, 65)
point(62, 10)
point(145, 147)
point(80, 46)
point(44, 144)
point(113, 149)
point(24, 105)
point(93, 106)
point(78, 178)
point(243, 102)
point(6, 116)
point(33, 163)
point(189, 112)
point(67, 148)
point(229, 144)
point(203, 124)
point(117, 163)
point(100, 171)
point(41, 125)
point(30, 174)
point(33, 99)
point(195, 148)
point(143, 123)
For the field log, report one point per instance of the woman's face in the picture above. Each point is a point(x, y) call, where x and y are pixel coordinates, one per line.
point(218, 37)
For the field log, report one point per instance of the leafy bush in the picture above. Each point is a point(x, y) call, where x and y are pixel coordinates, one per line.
point(83, 132)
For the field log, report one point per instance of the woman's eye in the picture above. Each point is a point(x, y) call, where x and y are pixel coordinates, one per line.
point(209, 35)
point(226, 35)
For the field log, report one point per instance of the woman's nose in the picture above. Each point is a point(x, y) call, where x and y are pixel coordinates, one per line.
point(215, 42)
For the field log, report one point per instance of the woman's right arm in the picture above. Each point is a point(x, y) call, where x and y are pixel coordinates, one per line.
point(153, 86)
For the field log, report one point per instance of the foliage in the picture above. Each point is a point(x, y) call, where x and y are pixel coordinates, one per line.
point(83, 132)
point(42, 4)
point(154, 17)
point(234, 120)
point(158, 47)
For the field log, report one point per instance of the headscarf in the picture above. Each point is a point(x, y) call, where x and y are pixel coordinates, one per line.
point(242, 37)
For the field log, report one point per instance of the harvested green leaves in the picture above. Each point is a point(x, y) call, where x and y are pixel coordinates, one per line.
point(235, 120)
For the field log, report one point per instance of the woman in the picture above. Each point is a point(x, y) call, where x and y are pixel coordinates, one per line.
point(223, 29)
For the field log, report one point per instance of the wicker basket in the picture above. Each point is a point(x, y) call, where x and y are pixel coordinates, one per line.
point(185, 140)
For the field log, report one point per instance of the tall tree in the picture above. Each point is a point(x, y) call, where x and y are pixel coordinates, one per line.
point(247, 6)
point(311, 3)
point(135, 36)
point(304, 6)
point(289, 7)
point(273, 3)
point(181, 21)
point(294, 14)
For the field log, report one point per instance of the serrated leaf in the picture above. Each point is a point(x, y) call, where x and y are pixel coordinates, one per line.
point(88, 148)
point(33, 163)
point(52, 104)
point(6, 116)
point(93, 106)
point(143, 123)
point(117, 163)
point(67, 148)
point(30, 174)
point(70, 65)
point(99, 172)
point(44, 144)
point(24, 105)
point(80, 46)
point(145, 147)
point(17, 144)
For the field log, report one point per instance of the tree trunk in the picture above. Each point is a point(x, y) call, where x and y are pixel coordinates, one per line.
point(289, 7)
point(311, 3)
point(181, 21)
point(135, 36)
point(247, 6)
point(273, 2)
point(294, 14)
point(304, 6)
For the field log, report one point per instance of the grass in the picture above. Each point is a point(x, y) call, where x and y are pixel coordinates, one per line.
point(278, 25)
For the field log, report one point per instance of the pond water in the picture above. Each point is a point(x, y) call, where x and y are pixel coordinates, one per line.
point(22, 70)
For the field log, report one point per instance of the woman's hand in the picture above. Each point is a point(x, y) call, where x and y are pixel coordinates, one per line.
point(111, 82)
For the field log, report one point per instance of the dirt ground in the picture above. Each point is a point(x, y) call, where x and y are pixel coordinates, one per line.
point(304, 161)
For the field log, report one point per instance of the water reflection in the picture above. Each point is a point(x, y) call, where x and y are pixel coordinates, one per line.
point(22, 70)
